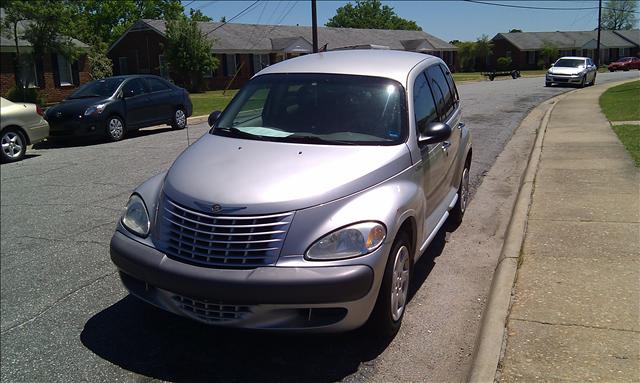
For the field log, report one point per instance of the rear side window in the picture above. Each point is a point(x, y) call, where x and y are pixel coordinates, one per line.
point(424, 107)
point(134, 87)
point(157, 85)
point(441, 92)
point(452, 85)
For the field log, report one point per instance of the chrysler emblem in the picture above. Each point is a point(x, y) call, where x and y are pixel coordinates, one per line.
point(216, 208)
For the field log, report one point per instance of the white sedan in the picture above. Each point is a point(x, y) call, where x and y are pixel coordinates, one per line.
point(22, 125)
point(572, 70)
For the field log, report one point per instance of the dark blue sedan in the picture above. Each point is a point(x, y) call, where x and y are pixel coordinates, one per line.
point(115, 105)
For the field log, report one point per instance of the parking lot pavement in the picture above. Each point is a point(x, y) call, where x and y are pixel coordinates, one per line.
point(65, 317)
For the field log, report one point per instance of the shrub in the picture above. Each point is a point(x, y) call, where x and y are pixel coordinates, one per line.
point(504, 62)
point(100, 66)
point(31, 95)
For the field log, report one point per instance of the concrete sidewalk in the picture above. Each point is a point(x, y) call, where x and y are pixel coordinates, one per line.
point(575, 312)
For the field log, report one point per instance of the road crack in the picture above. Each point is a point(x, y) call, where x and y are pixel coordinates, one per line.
point(575, 325)
point(54, 304)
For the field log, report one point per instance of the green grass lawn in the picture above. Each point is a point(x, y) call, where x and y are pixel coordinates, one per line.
point(620, 103)
point(207, 102)
point(630, 137)
point(477, 76)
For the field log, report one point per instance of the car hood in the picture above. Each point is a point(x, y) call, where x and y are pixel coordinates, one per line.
point(249, 177)
point(565, 70)
point(73, 107)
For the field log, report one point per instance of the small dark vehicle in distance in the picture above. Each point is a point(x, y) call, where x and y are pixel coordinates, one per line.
point(115, 105)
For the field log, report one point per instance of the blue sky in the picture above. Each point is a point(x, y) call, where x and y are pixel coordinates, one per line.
point(450, 19)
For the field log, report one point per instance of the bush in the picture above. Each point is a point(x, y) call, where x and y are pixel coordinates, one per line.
point(31, 95)
point(504, 62)
point(100, 66)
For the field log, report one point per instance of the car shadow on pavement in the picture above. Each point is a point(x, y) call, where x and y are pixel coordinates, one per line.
point(68, 142)
point(148, 341)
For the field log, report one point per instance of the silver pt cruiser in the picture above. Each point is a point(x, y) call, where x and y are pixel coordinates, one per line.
point(310, 199)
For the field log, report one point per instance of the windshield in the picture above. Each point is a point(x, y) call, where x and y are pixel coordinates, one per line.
point(98, 88)
point(317, 108)
point(569, 63)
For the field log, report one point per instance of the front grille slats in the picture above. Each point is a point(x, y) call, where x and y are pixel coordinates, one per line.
point(212, 312)
point(221, 241)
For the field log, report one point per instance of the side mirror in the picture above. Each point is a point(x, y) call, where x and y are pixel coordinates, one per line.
point(213, 117)
point(434, 132)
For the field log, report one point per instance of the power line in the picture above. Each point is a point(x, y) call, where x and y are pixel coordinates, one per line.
point(241, 13)
point(545, 8)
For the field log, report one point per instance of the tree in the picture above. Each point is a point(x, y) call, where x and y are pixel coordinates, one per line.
point(619, 14)
point(189, 52)
point(100, 66)
point(104, 21)
point(548, 53)
point(197, 15)
point(466, 55)
point(483, 49)
point(370, 14)
point(515, 31)
point(223, 19)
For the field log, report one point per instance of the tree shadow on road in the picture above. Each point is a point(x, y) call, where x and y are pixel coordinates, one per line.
point(70, 142)
point(148, 341)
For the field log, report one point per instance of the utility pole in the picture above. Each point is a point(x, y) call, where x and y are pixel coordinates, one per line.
point(314, 26)
point(599, 27)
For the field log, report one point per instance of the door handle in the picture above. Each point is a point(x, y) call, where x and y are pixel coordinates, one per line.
point(445, 145)
point(461, 125)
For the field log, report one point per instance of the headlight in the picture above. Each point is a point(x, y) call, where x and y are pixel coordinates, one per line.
point(95, 109)
point(136, 217)
point(348, 242)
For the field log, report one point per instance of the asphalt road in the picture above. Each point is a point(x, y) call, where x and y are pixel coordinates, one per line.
point(65, 316)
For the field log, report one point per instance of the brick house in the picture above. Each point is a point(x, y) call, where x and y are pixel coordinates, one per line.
point(244, 49)
point(525, 48)
point(53, 75)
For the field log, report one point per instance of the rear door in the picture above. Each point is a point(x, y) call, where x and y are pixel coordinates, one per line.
point(136, 101)
point(161, 99)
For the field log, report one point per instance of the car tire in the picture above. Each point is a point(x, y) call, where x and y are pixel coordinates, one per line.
point(457, 213)
point(179, 120)
point(583, 82)
point(14, 145)
point(593, 81)
point(611, 70)
point(386, 317)
point(547, 83)
point(115, 128)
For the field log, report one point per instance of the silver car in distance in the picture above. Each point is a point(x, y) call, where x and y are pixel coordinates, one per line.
point(309, 201)
point(572, 70)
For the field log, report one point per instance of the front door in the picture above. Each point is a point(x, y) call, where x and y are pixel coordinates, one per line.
point(136, 101)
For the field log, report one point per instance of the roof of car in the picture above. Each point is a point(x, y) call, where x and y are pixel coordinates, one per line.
point(365, 62)
point(573, 58)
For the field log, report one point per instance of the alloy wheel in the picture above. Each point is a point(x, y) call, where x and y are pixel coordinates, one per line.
point(116, 130)
point(181, 118)
point(12, 145)
point(400, 282)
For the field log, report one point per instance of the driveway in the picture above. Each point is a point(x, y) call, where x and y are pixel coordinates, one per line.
point(65, 316)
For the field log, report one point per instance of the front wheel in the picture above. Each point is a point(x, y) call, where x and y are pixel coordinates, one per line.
point(179, 119)
point(547, 83)
point(393, 296)
point(115, 128)
point(593, 81)
point(583, 81)
point(14, 145)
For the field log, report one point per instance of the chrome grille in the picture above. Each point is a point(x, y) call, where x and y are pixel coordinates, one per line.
point(211, 312)
point(221, 241)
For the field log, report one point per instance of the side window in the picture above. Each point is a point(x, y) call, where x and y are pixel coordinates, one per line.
point(134, 87)
point(424, 107)
point(441, 91)
point(156, 85)
point(452, 85)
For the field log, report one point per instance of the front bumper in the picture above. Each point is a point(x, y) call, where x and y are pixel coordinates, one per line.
point(85, 126)
point(564, 79)
point(294, 298)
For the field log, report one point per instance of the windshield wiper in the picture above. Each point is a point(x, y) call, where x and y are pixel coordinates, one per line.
point(317, 140)
point(235, 132)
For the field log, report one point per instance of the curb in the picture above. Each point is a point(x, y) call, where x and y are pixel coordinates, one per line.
point(490, 336)
point(197, 120)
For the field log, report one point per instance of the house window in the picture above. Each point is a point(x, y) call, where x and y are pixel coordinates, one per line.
point(507, 54)
point(27, 73)
point(260, 62)
point(164, 68)
point(230, 65)
point(531, 57)
point(624, 52)
point(123, 64)
point(64, 71)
